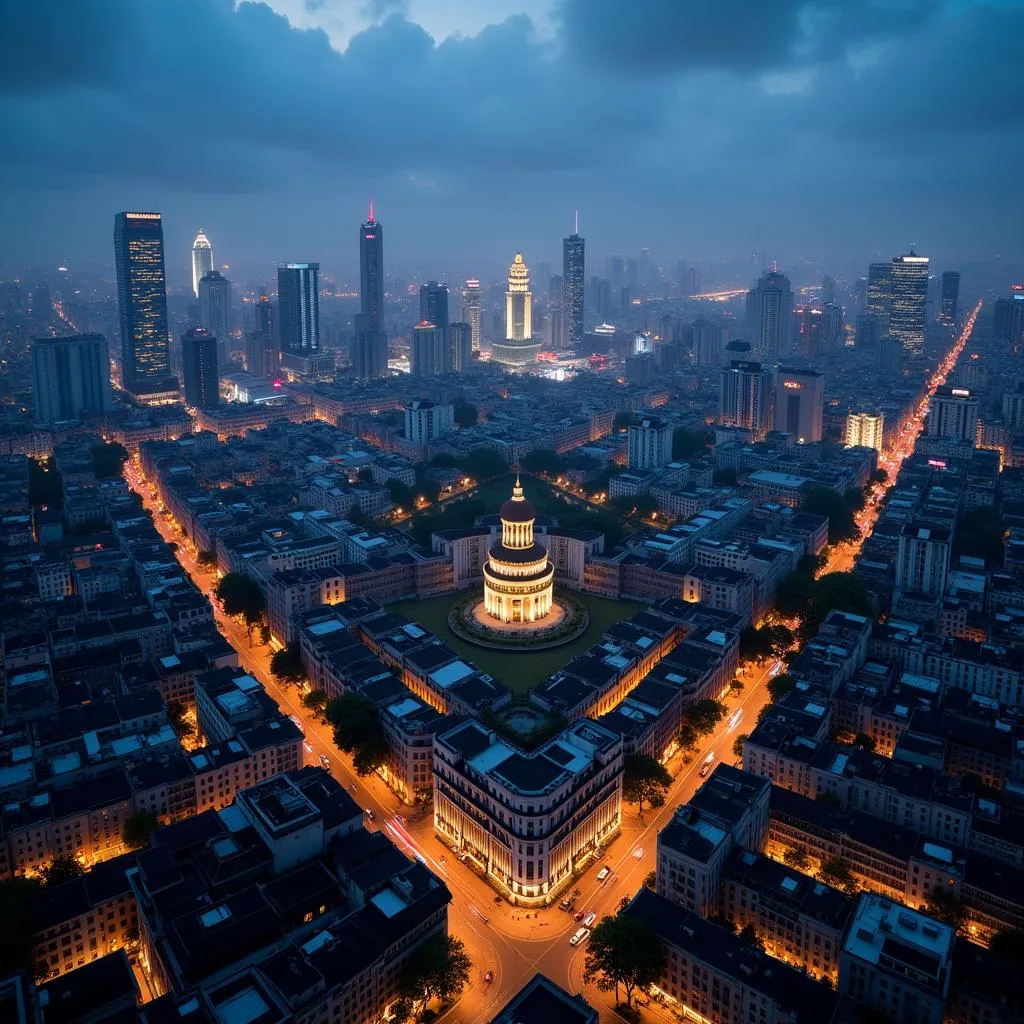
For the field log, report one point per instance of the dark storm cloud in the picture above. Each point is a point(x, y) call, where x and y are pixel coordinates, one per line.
point(737, 35)
point(883, 108)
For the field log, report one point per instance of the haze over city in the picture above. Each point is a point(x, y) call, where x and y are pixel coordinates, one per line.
point(829, 133)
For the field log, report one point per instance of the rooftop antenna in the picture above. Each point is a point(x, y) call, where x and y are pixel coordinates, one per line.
point(576, 226)
point(370, 218)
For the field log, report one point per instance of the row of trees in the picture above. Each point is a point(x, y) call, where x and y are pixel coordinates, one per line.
point(357, 731)
point(437, 969)
point(240, 595)
point(770, 641)
point(810, 600)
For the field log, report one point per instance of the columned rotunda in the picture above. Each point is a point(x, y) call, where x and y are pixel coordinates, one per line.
point(518, 578)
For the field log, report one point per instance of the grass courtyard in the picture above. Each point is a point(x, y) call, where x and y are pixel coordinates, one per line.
point(518, 670)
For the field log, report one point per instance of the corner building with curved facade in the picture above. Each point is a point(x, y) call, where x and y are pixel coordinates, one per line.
point(519, 579)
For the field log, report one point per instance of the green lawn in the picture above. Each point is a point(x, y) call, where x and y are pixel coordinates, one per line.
point(518, 670)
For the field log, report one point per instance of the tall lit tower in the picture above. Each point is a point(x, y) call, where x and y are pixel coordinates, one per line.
point(215, 311)
point(909, 298)
point(950, 297)
point(746, 397)
point(471, 310)
point(371, 272)
point(298, 308)
point(573, 274)
point(142, 304)
point(518, 347)
point(202, 260)
point(770, 314)
point(879, 289)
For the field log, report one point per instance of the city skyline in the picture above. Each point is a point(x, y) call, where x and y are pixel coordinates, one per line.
point(737, 94)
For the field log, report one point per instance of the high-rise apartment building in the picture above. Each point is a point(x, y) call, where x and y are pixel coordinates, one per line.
point(199, 357)
point(890, 356)
point(770, 314)
point(952, 413)
point(215, 311)
point(260, 348)
point(425, 421)
point(434, 304)
point(298, 308)
point(471, 309)
point(922, 560)
point(371, 272)
point(865, 430)
point(142, 305)
point(799, 401)
point(70, 377)
point(649, 444)
point(518, 348)
point(428, 351)
point(573, 271)
point(202, 260)
point(879, 289)
point(746, 397)
point(950, 297)
point(706, 342)
point(460, 342)
point(908, 301)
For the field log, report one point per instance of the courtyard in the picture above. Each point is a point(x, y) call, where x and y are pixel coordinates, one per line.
point(518, 670)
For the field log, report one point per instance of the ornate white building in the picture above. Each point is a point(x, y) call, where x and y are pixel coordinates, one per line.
point(519, 579)
point(518, 348)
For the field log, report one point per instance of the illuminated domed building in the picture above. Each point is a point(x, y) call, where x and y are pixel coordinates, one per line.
point(518, 577)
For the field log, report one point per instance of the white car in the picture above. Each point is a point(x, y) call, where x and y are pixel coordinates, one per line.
point(580, 935)
point(604, 873)
point(589, 920)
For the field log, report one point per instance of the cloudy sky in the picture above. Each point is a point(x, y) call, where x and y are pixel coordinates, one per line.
point(832, 131)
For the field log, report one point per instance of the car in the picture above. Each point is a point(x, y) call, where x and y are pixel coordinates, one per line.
point(604, 873)
point(489, 977)
point(568, 903)
point(580, 935)
point(325, 760)
point(308, 747)
point(589, 919)
point(706, 766)
point(579, 915)
point(370, 814)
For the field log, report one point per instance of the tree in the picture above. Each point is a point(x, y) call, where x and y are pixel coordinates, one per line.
point(286, 665)
point(842, 591)
point(879, 476)
point(466, 414)
point(108, 460)
point(44, 484)
point(623, 418)
point(1009, 944)
point(176, 712)
point(401, 494)
point(651, 880)
point(686, 443)
point(862, 739)
point(796, 857)
point(737, 745)
point(980, 534)
point(724, 921)
point(439, 967)
point(688, 736)
point(735, 686)
point(443, 460)
point(483, 463)
point(543, 460)
point(623, 951)
point(357, 731)
point(644, 778)
point(823, 501)
point(138, 828)
point(778, 687)
point(240, 595)
point(794, 594)
point(60, 870)
point(705, 715)
point(943, 905)
point(810, 564)
point(207, 557)
point(365, 475)
point(829, 798)
point(725, 476)
point(836, 872)
point(370, 754)
point(315, 701)
point(854, 498)
point(779, 638)
point(748, 936)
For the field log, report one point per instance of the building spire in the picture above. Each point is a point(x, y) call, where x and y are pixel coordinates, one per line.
point(369, 220)
point(576, 225)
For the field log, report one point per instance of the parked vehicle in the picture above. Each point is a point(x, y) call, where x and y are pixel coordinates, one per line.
point(589, 920)
point(580, 935)
point(604, 873)
point(579, 916)
point(325, 760)
point(567, 904)
point(705, 768)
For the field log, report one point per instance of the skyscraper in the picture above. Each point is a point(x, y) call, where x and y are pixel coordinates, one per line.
point(649, 444)
point(428, 351)
point(70, 377)
point(879, 289)
point(909, 297)
point(371, 272)
point(142, 304)
point(460, 344)
point(799, 400)
point(369, 352)
point(202, 260)
point(434, 304)
point(573, 271)
point(952, 413)
point(215, 311)
point(865, 430)
point(260, 350)
point(707, 342)
point(770, 314)
point(199, 360)
point(950, 297)
point(298, 308)
point(518, 347)
point(471, 309)
point(746, 397)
